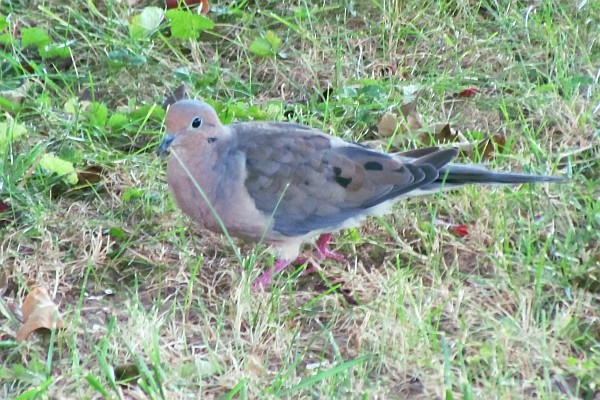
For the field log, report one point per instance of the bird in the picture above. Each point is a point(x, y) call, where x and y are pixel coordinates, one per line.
point(284, 184)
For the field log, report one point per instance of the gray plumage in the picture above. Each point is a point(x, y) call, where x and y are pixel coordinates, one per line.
point(284, 182)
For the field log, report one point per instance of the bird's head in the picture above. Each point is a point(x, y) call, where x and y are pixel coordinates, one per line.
point(190, 122)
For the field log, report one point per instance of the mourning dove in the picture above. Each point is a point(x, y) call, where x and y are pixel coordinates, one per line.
point(285, 183)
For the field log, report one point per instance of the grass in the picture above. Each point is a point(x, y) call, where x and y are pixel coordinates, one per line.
point(155, 307)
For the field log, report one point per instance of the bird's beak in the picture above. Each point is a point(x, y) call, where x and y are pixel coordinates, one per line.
point(164, 145)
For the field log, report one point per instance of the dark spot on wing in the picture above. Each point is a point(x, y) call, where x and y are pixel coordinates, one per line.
point(343, 182)
point(373, 166)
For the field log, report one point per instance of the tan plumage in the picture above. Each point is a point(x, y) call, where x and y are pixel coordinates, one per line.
point(285, 183)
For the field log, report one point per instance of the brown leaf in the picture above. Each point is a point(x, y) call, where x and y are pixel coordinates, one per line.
point(383, 70)
point(7, 280)
point(411, 115)
point(126, 372)
point(4, 207)
point(387, 125)
point(178, 94)
point(39, 312)
point(205, 7)
point(323, 97)
point(468, 92)
point(391, 122)
point(90, 175)
point(5, 213)
point(487, 147)
point(445, 135)
point(255, 366)
point(3, 281)
point(5, 210)
point(16, 96)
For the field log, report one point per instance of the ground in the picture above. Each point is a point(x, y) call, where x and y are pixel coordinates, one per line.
point(155, 307)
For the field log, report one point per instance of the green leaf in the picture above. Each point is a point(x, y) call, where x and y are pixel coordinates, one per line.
point(5, 38)
point(130, 194)
point(70, 154)
point(60, 167)
point(273, 39)
point(266, 46)
point(34, 37)
point(3, 22)
point(36, 392)
point(146, 23)
point(5, 373)
point(117, 121)
point(261, 47)
point(148, 111)
point(117, 233)
point(98, 114)
point(54, 50)
point(185, 25)
point(9, 132)
point(202, 368)
point(122, 57)
point(72, 106)
point(95, 384)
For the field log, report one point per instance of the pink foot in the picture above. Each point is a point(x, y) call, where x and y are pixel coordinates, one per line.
point(264, 279)
point(323, 252)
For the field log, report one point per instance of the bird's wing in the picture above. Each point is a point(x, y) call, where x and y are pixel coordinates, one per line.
point(309, 181)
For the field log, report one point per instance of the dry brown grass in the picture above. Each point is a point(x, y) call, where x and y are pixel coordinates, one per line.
point(509, 311)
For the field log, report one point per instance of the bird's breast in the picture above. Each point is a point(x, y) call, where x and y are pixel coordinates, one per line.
point(215, 194)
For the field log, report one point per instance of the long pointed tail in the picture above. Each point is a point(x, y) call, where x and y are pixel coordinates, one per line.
point(454, 175)
point(466, 174)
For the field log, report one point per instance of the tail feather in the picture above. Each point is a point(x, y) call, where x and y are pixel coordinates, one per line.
point(451, 176)
point(465, 174)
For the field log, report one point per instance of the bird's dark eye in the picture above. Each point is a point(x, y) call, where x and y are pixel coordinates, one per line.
point(196, 122)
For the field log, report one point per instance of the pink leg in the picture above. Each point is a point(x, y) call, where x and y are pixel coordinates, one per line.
point(264, 279)
point(323, 252)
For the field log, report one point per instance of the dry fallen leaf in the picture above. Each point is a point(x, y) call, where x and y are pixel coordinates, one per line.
point(382, 70)
point(487, 147)
point(467, 93)
point(387, 125)
point(254, 365)
point(411, 115)
point(205, 7)
point(91, 174)
point(180, 93)
point(16, 96)
point(391, 122)
point(460, 230)
point(39, 312)
point(3, 281)
point(445, 135)
point(4, 207)
point(126, 372)
point(5, 213)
